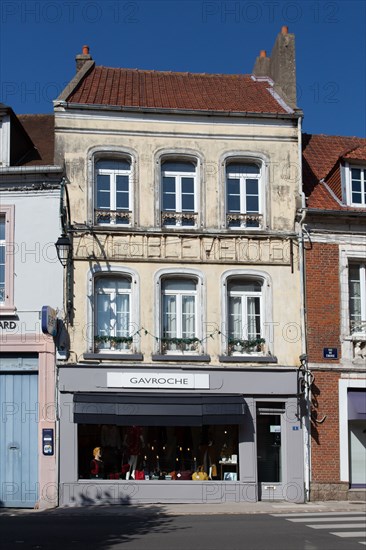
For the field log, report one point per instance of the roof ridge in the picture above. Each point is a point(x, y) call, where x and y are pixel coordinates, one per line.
point(185, 73)
point(333, 136)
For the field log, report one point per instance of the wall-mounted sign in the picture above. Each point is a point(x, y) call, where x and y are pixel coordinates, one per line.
point(330, 353)
point(47, 441)
point(8, 325)
point(153, 380)
point(49, 320)
point(275, 429)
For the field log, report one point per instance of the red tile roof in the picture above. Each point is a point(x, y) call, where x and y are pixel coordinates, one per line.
point(357, 154)
point(322, 156)
point(40, 129)
point(168, 90)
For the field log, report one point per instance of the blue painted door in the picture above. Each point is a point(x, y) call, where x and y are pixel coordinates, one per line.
point(19, 439)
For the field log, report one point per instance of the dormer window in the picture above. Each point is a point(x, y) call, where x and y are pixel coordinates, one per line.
point(356, 186)
point(4, 141)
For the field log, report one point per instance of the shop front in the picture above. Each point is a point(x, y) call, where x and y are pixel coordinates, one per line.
point(179, 435)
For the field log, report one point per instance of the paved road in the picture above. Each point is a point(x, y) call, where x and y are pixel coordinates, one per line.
point(154, 530)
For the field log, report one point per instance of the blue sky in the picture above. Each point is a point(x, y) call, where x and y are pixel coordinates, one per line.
point(39, 41)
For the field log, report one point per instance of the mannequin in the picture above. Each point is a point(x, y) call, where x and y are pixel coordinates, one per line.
point(97, 464)
point(135, 442)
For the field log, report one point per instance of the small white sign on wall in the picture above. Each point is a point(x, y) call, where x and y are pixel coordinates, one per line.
point(275, 429)
point(158, 380)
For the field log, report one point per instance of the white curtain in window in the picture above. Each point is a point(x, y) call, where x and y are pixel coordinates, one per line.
point(188, 317)
point(235, 318)
point(113, 307)
point(170, 317)
point(122, 314)
point(355, 293)
point(253, 318)
point(103, 315)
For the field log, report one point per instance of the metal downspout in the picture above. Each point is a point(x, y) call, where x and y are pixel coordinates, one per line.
point(304, 356)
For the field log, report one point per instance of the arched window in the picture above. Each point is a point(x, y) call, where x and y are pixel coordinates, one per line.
point(244, 316)
point(244, 195)
point(113, 191)
point(179, 328)
point(112, 322)
point(179, 203)
point(357, 297)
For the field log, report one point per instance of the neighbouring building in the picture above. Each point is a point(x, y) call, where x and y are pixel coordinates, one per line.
point(334, 169)
point(184, 294)
point(30, 278)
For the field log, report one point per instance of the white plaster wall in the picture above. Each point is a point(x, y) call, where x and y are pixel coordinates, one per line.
point(38, 275)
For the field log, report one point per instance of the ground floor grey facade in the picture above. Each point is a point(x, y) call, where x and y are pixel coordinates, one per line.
point(175, 435)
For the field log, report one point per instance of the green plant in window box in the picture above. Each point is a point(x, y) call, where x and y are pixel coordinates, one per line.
point(112, 342)
point(246, 346)
point(182, 344)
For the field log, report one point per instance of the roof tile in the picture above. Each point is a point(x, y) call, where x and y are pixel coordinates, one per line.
point(168, 90)
point(40, 129)
point(322, 156)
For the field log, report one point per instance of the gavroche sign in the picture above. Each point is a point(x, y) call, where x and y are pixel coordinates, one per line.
point(154, 380)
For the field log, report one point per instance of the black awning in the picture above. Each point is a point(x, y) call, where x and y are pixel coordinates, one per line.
point(160, 409)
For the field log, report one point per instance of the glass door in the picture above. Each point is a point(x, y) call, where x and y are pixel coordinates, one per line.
point(269, 451)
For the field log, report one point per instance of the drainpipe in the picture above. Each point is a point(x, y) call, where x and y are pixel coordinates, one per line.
point(304, 355)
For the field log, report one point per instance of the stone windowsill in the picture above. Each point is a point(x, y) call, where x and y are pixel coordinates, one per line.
point(114, 356)
point(247, 359)
point(176, 358)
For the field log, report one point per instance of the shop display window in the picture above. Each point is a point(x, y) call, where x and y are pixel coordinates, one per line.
point(158, 452)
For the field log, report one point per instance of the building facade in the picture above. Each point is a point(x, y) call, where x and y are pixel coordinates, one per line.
point(30, 277)
point(334, 182)
point(181, 380)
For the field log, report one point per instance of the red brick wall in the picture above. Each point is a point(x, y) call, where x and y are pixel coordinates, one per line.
point(325, 436)
point(323, 300)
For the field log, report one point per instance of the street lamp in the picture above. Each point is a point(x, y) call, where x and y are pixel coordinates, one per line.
point(64, 254)
point(63, 248)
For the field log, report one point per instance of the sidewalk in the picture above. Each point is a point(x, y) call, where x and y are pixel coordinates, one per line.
point(199, 509)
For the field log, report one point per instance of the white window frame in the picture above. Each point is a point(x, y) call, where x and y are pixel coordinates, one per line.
point(113, 173)
point(177, 154)
point(200, 308)
point(349, 187)
point(362, 272)
point(178, 176)
point(266, 311)
point(98, 273)
point(244, 297)
point(243, 177)
point(179, 294)
point(7, 306)
point(112, 152)
point(349, 254)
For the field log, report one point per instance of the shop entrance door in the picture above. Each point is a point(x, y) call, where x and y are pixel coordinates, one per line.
point(270, 451)
point(357, 448)
point(18, 439)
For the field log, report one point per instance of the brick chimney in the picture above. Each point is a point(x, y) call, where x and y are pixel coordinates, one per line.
point(81, 58)
point(280, 67)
